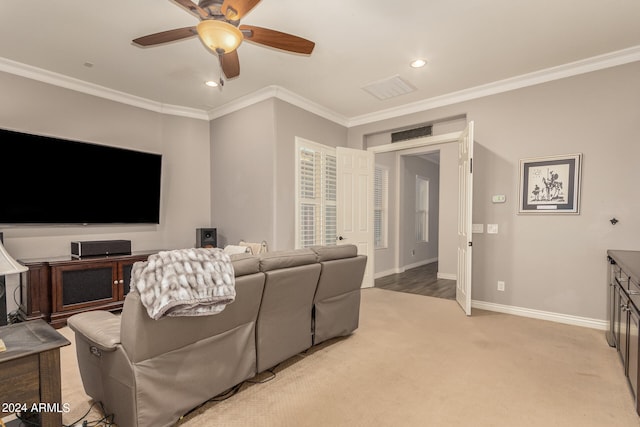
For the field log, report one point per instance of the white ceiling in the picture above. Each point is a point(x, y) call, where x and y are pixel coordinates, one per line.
point(467, 43)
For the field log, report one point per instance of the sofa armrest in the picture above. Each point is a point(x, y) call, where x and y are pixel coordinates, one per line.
point(100, 328)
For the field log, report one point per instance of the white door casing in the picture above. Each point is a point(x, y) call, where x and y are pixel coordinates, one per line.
point(465, 206)
point(355, 172)
point(465, 209)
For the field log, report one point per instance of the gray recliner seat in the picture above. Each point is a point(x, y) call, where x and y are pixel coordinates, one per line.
point(336, 303)
point(284, 325)
point(150, 372)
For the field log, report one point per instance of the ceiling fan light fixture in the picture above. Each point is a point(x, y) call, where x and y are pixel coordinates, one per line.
point(219, 35)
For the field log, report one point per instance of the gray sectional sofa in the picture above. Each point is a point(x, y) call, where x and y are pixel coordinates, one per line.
point(151, 372)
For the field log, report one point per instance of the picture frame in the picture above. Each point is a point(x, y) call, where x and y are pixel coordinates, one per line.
point(550, 185)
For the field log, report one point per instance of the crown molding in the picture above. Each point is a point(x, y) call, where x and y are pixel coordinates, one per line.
point(595, 63)
point(56, 79)
point(284, 95)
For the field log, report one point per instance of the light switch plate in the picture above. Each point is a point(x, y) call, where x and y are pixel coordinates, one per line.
point(477, 228)
point(499, 198)
point(492, 228)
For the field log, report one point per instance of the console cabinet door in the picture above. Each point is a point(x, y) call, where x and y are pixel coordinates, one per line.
point(632, 369)
point(124, 276)
point(618, 312)
point(35, 292)
point(623, 321)
point(83, 285)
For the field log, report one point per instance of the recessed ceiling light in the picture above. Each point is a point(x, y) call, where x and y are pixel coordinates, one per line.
point(211, 83)
point(418, 63)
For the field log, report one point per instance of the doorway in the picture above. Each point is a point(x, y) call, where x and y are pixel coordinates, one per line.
point(408, 262)
point(456, 187)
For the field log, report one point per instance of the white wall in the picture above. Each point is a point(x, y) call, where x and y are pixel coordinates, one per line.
point(30, 106)
point(550, 263)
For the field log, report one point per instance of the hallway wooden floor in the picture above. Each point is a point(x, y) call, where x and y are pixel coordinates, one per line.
point(420, 280)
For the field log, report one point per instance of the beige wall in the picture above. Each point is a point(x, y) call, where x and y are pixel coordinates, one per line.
point(237, 174)
point(292, 121)
point(31, 106)
point(550, 263)
point(385, 261)
point(253, 170)
point(413, 252)
point(385, 258)
point(243, 146)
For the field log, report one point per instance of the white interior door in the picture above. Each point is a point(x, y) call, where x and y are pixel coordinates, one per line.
point(355, 169)
point(465, 204)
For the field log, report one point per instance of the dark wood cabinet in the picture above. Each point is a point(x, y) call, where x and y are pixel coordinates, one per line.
point(54, 289)
point(624, 314)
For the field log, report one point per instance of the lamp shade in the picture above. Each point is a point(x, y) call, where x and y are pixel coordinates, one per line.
point(219, 35)
point(9, 265)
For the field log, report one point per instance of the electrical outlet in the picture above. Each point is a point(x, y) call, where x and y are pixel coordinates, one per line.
point(500, 285)
point(413, 252)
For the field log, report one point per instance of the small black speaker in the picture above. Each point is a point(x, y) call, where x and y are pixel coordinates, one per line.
point(206, 238)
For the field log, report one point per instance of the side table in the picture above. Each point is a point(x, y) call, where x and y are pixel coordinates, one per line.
point(30, 371)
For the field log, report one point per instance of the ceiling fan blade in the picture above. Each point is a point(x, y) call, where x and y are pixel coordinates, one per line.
point(236, 9)
point(193, 8)
point(277, 39)
point(166, 36)
point(230, 64)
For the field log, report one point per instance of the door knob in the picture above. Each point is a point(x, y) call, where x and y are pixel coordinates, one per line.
point(340, 238)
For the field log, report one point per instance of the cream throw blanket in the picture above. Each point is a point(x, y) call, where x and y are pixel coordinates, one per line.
point(185, 282)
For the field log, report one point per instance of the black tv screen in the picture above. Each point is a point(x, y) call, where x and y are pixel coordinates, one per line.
point(49, 180)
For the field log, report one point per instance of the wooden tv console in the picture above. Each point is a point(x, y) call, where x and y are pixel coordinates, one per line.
point(54, 289)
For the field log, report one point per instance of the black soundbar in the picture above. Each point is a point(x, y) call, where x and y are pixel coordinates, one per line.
point(100, 248)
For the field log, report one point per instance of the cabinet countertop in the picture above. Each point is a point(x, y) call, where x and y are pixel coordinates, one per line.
point(69, 258)
point(629, 262)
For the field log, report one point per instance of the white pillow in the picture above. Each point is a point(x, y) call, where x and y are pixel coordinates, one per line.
point(235, 249)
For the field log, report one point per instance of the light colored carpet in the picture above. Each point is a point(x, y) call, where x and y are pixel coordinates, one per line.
point(418, 361)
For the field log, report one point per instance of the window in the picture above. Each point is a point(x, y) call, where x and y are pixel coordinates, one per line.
point(316, 186)
point(422, 209)
point(381, 206)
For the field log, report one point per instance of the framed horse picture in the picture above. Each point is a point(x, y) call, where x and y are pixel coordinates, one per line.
point(550, 185)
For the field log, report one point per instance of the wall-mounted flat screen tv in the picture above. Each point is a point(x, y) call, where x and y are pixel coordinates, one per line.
point(48, 180)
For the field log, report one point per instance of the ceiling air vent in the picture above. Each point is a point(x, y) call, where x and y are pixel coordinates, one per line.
point(411, 133)
point(389, 87)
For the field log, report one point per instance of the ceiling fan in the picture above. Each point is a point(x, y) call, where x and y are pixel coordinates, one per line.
point(220, 31)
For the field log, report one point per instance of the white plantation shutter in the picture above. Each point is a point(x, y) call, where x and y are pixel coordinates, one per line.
point(380, 204)
point(315, 194)
point(422, 209)
point(330, 191)
point(309, 195)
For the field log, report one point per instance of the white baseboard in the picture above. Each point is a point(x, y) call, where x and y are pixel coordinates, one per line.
point(543, 315)
point(404, 268)
point(419, 263)
point(448, 276)
point(387, 273)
